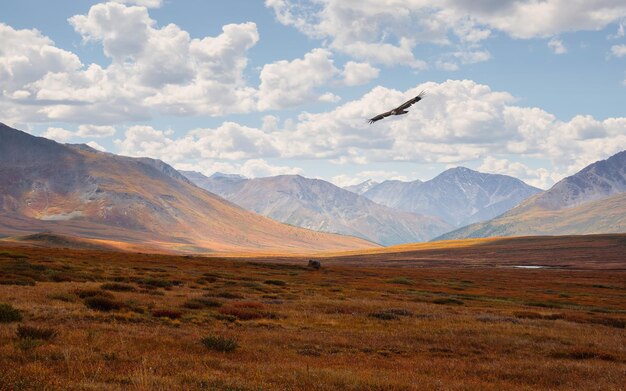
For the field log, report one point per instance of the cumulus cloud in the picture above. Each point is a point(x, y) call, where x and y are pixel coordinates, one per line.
point(58, 134)
point(557, 46)
point(388, 31)
point(290, 83)
point(143, 3)
point(460, 122)
point(618, 50)
point(538, 177)
point(357, 73)
point(153, 70)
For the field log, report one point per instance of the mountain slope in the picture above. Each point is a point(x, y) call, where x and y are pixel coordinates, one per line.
point(75, 190)
point(458, 196)
point(322, 206)
point(362, 187)
point(590, 201)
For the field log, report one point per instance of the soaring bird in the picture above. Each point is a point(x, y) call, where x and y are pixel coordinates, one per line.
point(400, 109)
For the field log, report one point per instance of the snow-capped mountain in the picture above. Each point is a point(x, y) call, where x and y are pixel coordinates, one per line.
point(590, 201)
point(361, 187)
point(322, 206)
point(459, 196)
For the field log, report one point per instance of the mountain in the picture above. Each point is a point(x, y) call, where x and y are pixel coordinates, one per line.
point(77, 191)
point(590, 201)
point(321, 206)
point(361, 187)
point(459, 196)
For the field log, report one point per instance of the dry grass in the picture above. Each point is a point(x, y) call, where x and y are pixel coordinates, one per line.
point(216, 324)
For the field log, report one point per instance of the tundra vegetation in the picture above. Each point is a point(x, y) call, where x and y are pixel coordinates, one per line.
point(86, 319)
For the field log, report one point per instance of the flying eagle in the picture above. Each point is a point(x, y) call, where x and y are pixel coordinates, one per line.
point(400, 109)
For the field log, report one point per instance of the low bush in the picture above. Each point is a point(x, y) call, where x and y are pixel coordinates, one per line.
point(9, 314)
point(382, 315)
point(401, 280)
point(67, 297)
point(85, 293)
point(448, 300)
point(275, 282)
point(225, 295)
point(220, 343)
point(33, 332)
point(201, 302)
point(117, 287)
point(101, 303)
point(172, 314)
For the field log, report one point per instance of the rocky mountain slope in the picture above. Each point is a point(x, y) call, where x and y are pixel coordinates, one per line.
point(459, 196)
point(590, 201)
point(322, 206)
point(76, 190)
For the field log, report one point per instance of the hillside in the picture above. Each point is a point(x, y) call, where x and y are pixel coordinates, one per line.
point(78, 191)
point(459, 196)
point(590, 201)
point(321, 206)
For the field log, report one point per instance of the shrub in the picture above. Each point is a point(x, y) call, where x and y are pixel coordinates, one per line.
point(275, 282)
point(32, 332)
point(156, 282)
point(117, 287)
point(67, 297)
point(85, 293)
point(220, 343)
point(101, 303)
point(201, 302)
point(448, 300)
point(226, 295)
point(382, 315)
point(9, 314)
point(172, 314)
point(17, 280)
point(401, 280)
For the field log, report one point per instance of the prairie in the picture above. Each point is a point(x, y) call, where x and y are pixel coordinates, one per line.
point(455, 316)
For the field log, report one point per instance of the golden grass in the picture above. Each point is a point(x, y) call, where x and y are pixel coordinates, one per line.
point(342, 327)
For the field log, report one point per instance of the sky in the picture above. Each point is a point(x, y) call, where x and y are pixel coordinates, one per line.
point(532, 89)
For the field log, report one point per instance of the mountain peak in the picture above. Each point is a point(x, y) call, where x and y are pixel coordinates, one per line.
point(218, 175)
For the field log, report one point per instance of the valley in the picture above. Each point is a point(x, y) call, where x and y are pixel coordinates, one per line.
point(465, 320)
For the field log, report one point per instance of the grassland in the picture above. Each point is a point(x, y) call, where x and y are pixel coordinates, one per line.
point(96, 320)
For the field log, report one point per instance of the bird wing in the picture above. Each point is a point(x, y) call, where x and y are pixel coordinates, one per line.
point(379, 117)
point(411, 101)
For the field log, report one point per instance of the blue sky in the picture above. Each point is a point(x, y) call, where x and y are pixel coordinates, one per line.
point(525, 88)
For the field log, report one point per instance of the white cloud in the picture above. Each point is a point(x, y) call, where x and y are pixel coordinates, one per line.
point(388, 31)
point(459, 121)
point(618, 50)
point(95, 131)
point(58, 134)
point(143, 3)
point(557, 46)
point(290, 83)
point(540, 177)
point(355, 73)
point(96, 146)
point(153, 70)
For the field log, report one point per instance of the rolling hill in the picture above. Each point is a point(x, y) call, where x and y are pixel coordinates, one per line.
point(321, 206)
point(78, 191)
point(590, 201)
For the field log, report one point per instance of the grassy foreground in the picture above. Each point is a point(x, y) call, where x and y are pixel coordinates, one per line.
point(93, 320)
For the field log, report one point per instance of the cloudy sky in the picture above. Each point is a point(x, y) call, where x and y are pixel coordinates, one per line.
point(534, 89)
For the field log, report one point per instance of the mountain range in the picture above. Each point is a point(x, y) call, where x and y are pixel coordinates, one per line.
point(458, 196)
point(76, 190)
point(321, 206)
point(590, 201)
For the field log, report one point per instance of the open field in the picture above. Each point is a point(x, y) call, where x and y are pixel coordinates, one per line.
point(90, 319)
